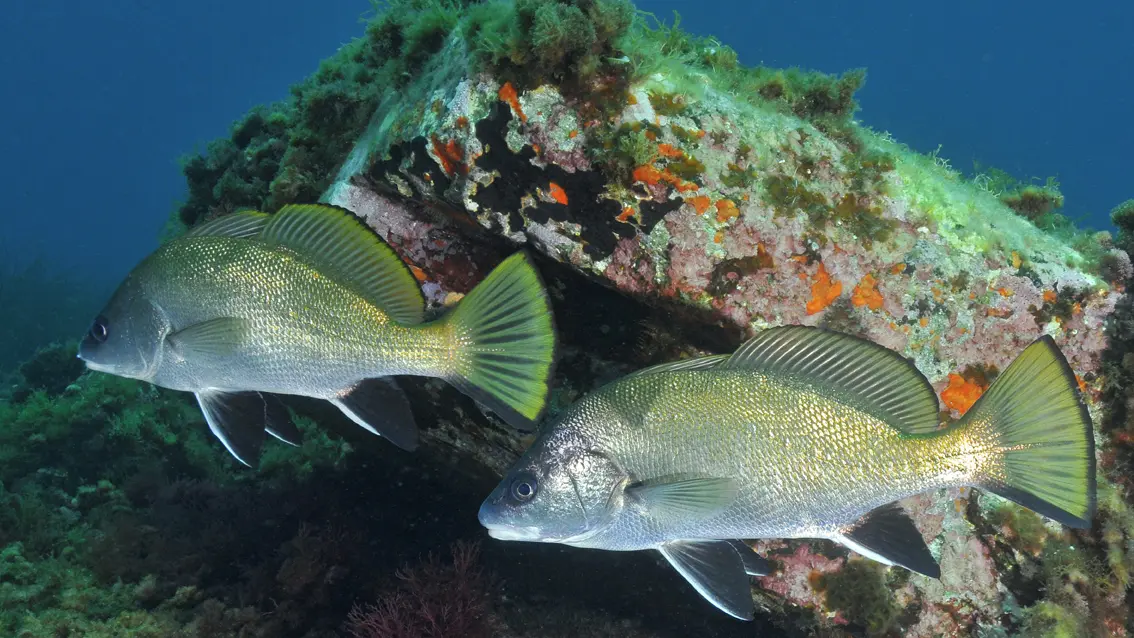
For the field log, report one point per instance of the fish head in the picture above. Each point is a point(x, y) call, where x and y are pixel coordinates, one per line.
point(559, 492)
point(126, 337)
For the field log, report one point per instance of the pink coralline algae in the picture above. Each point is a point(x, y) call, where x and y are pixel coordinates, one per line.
point(433, 600)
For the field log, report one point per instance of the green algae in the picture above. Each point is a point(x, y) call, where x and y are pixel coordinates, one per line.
point(530, 42)
point(737, 177)
point(787, 194)
point(861, 592)
point(826, 100)
point(669, 104)
point(1048, 620)
point(620, 150)
point(1117, 535)
point(317, 136)
point(686, 167)
point(1034, 202)
point(970, 216)
point(288, 152)
point(1122, 216)
point(51, 369)
point(1025, 527)
point(1028, 199)
point(423, 28)
point(320, 450)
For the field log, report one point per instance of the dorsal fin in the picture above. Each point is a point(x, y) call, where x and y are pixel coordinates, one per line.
point(874, 379)
point(697, 363)
point(244, 224)
point(346, 249)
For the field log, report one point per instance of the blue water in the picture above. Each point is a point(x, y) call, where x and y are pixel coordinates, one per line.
point(104, 98)
point(108, 95)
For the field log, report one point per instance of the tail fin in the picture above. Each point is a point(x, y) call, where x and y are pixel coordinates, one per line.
point(508, 342)
point(1044, 432)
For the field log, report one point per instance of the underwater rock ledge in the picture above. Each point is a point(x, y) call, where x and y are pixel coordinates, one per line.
point(675, 214)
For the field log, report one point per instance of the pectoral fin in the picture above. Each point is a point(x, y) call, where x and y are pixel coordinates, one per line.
point(380, 406)
point(238, 419)
point(683, 496)
point(213, 338)
point(716, 570)
point(888, 536)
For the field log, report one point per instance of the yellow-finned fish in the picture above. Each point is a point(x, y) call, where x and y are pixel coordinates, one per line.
point(802, 433)
point(309, 301)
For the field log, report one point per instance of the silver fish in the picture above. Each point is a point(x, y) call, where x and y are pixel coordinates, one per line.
point(802, 433)
point(309, 301)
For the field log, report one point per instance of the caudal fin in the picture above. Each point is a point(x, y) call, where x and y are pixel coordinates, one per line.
point(507, 342)
point(1044, 434)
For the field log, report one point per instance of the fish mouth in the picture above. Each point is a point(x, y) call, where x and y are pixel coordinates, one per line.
point(97, 367)
point(513, 533)
point(505, 531)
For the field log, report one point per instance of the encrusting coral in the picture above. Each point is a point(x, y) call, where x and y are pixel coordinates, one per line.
point(709, 200)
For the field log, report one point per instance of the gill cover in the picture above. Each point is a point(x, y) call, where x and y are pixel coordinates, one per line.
point(562, 495)
point(125, 339)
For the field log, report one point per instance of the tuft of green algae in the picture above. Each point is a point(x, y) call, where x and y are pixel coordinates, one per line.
point(531, 42)
point(1122, 216)
point(861, 593)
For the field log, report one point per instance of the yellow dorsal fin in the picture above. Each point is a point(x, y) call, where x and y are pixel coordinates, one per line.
point(344, 248)
point(874, 379)
point(697, 363)
point(244, 224)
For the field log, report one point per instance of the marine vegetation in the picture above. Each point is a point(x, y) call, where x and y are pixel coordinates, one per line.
point(433, 600)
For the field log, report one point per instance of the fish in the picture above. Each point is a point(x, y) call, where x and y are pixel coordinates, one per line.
point(310, 301)
point(800, 433)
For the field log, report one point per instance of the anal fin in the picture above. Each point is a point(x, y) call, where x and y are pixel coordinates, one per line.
point(278, 423)
point(238, 419)
point(888, 536)
point(754, 564)
point(717, 571)
point(380, 406)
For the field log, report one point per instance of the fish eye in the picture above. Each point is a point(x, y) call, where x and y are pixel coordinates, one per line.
point(524, 487)
point(99, 331)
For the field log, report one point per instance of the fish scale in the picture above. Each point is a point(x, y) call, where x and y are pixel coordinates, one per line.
point(296, 315)
point(802, 461)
